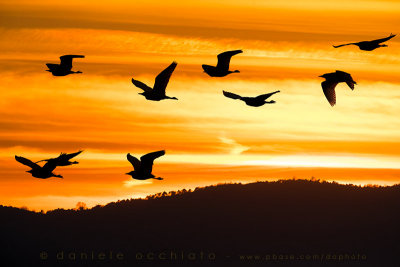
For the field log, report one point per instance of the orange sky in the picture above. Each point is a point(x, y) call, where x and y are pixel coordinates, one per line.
point(208, 138)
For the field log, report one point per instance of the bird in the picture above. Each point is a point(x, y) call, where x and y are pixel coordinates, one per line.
point(143, 168)
point(369, 45)
point(157, 93)
point(40, 172)
point(64, 159)
point(331, 80)
point(64, 68)
point(252, 101)
point(222, 68)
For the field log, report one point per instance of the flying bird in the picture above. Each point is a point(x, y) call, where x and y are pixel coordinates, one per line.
point(64, 159)
point(157, 93)
point(331, 80)
point(143, 168)
point(252, 101)
point(222, 68)
point(369, 45)
point(40, 172)
point(64, 68)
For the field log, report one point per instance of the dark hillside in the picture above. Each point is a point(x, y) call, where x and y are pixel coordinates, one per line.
point(291, 222)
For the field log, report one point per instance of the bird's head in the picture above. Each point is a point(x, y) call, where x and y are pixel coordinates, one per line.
point(142, 93)
point(30, 171)
point(130, 173)
point(323, 76)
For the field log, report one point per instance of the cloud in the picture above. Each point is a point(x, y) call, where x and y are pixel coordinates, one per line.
point(131, 183)
point(234, 147)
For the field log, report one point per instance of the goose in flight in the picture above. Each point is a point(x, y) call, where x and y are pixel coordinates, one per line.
point(144, 166)
point(40, 172)
point(157, 93)
point(64, 159)
point(331, 80)
point(369, 45)
point(64, 68)
point(252, 101)
point(222, 68)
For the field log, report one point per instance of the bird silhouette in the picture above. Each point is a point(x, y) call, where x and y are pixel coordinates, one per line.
point(157, 93)
point(144, 166)
point(40, 172)
point(369, 45)
point(222, 68)
point(64, 159)
point(64, 68)
point(252, 101)
point(331, 80)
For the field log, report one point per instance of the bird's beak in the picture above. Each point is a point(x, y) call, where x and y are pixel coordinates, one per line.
point(321, 76)
point(127, 173)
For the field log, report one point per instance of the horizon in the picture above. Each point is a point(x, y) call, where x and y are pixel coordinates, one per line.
point(208, 138)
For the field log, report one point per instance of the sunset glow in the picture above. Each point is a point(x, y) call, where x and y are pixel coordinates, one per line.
point(208, 138)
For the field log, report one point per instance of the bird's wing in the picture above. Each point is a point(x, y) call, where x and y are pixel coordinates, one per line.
point(336, 46)
point(52, 66)
point(347, 78)
point(66, 60)
point(134, 161)
point(225, 58)
point(66, 156)
point(27, 162)
point(329, 91)
point(148, 159)
point(51, 164)
point(231, 95)
point(266, 96)
point(378, 41)
point(162, 79)
point(141, 85)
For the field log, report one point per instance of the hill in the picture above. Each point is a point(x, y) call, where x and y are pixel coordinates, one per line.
point(287, 222)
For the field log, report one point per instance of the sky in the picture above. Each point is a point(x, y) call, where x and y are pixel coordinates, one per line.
point(209, 139)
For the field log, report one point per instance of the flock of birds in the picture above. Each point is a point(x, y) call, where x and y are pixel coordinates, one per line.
point(143, 168)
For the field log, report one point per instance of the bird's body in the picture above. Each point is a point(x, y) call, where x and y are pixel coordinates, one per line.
point(40, 172)
point(64, 159)
point(65, 66)
point(331, 80)
point(369, 45)
point(157, 93)
point(143, 168)
point(252, 101)
point(222, 68)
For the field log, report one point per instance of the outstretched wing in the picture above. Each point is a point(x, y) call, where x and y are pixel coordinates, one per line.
point(231, 95)
point(329, 91)
point(52, 66)
point(378, 41)
point(51, 164)
point(336, 46)
point(134, 161)
point(141, 85)
point(27, 162)
point(346, 77)
point(266, 96)
point(65, 156)
point(148, 159)
point(66, 60)
point(162, 79)
point(225, 58)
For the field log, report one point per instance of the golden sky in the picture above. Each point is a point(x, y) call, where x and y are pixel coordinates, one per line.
point(208, 138)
